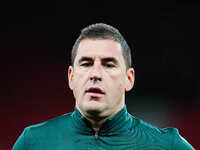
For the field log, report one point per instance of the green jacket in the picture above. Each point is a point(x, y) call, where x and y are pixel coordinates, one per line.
point(120, 132)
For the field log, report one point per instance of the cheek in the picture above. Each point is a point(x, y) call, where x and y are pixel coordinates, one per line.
point(117, 82)
point(78, 82)
point(78, 76)
point(121, 87)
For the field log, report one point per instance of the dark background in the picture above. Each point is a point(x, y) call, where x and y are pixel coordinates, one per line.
point(36, 38)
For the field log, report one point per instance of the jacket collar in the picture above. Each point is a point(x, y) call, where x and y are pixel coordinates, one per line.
point(117, 124)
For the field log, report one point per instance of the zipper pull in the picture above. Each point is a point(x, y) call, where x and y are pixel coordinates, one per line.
point(96, 135)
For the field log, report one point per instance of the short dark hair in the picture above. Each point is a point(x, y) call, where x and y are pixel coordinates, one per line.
point(103, 31)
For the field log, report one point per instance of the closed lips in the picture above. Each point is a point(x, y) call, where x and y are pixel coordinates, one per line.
point(95, 90)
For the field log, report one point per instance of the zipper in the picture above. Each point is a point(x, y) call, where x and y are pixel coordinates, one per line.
point(96, 135)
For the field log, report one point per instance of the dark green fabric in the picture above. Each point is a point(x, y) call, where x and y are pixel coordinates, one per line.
point(121, 132)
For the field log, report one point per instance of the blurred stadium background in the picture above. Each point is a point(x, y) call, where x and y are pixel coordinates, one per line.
point(36, 40)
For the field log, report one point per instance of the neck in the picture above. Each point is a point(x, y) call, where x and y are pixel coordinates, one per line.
point(96, 125)
point(96, 120)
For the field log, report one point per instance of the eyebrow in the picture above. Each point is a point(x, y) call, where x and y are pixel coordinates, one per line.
point(110, 59)
point(84, 58)
point(106, 59)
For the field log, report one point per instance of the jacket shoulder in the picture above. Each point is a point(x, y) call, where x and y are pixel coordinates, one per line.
point(49, 128)
point(152, 129)
point(167, 137)
point(57, 122)
point(32, 135)
point(180, 143)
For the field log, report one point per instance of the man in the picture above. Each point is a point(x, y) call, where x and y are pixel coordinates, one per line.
point(100, 75)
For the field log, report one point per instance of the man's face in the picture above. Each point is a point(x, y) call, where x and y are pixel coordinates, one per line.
point(99, 77)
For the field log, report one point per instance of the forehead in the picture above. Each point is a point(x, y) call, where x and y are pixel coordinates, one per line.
point(99, 48)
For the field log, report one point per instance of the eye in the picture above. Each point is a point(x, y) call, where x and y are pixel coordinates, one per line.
point(87, 64)
point(109, 65)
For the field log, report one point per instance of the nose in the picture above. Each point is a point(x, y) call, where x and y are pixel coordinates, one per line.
point(96, 72)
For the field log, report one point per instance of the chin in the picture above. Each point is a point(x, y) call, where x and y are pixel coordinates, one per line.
point(94, 107)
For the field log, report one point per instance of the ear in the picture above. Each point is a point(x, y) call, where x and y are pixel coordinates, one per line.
point(130, 79)
point(70, 77)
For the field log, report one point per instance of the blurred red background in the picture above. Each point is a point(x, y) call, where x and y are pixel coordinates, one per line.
point(35, 92)
point(36, 40)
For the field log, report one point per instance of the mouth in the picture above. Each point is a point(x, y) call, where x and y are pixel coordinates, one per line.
point(95, 92)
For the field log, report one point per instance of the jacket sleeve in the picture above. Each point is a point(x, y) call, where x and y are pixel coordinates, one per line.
point(179, 143)
point(20, 144)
